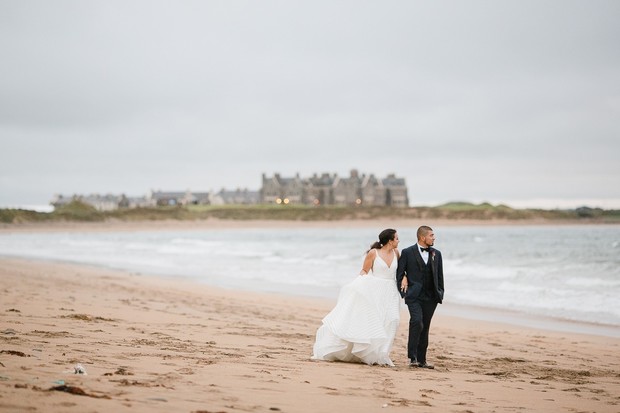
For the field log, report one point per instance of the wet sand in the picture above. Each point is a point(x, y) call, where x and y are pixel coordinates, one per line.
point(150, 344)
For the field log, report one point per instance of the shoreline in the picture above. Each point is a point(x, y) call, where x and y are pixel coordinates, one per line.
point(456, 310)
point(154, 344)
point(530, 321)
point(470, 313)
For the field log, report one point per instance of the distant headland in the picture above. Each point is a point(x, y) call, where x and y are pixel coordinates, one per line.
point(320, 197)
point(77, 211)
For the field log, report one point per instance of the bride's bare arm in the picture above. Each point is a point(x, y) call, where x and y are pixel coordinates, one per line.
point(367, 266)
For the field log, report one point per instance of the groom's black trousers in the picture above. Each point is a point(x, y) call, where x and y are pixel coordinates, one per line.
point(420, 313)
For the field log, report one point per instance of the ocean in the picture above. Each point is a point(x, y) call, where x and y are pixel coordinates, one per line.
point(563, 272)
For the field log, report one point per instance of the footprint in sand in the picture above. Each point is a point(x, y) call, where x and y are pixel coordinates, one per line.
point(332, 392)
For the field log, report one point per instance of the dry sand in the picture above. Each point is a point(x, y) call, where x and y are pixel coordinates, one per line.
point(150, 344)
point(217, 224)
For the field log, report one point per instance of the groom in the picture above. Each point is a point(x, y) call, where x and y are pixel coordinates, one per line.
point(419, 278)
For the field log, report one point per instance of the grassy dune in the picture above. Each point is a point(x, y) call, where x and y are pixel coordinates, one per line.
point(79, 212)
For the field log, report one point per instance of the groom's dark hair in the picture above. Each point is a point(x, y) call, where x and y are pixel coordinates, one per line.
point(423, 230)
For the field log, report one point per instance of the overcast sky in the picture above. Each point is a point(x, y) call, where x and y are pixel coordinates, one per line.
point(512, 102)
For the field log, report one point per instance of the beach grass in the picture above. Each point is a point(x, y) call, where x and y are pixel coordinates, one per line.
point(79, 212)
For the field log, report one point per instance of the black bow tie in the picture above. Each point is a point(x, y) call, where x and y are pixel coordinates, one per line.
point(425, 249)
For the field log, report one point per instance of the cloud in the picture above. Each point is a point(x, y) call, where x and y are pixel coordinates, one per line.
point(476, 100)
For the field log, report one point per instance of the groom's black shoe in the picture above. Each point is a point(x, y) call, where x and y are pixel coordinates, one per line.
point(414, 363)
point(425, 365)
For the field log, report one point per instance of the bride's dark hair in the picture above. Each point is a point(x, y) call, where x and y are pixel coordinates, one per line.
point(385, 236)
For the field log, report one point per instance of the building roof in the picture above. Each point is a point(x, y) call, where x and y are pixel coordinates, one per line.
point(392, 180)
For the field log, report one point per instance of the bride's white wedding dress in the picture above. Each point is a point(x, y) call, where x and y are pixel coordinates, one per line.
point(362, 326)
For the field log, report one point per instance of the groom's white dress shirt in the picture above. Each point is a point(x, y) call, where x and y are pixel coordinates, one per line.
point(424, 254)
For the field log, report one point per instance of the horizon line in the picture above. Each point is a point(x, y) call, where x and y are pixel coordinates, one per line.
point(545, 204)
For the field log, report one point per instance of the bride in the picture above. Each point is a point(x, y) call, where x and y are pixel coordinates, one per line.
point(363, 324)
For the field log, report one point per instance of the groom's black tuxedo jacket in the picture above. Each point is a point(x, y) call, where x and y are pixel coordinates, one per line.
point(411, 265)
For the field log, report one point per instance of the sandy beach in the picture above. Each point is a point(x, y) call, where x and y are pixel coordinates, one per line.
point(218, 224)
point(154, 344)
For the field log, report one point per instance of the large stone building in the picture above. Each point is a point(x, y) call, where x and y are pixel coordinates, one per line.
point(322, 189)
point(329, 189)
